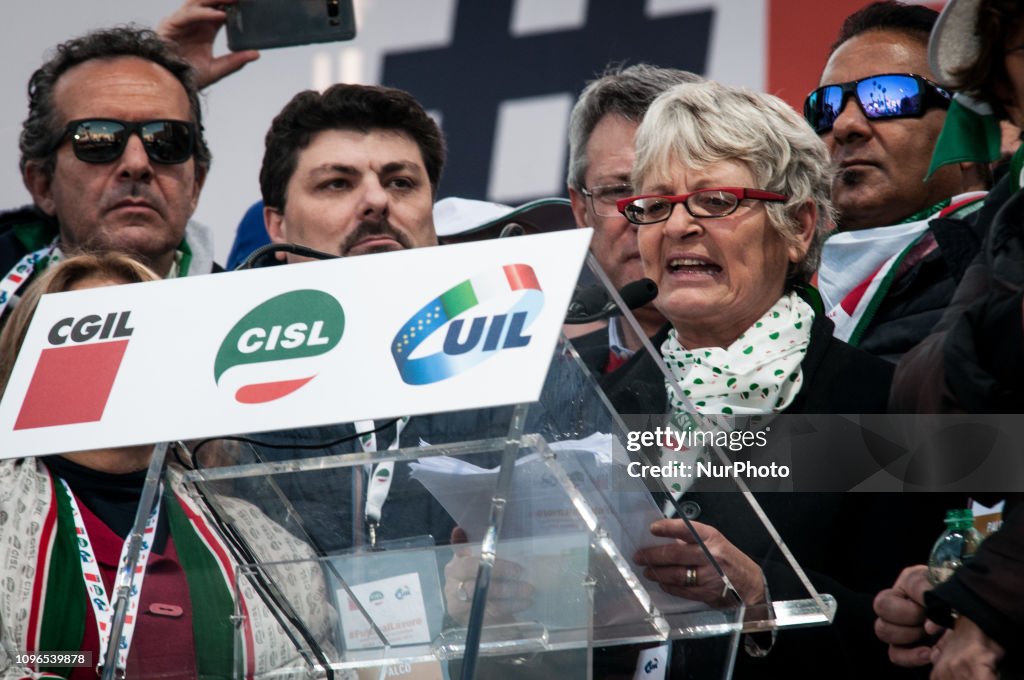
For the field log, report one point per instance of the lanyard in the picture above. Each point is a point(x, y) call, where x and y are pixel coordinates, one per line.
point(22, 271)
point(382, 475)
point(96, 593)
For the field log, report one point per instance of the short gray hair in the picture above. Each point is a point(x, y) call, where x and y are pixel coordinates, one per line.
point(704, 123)
point(626, 92)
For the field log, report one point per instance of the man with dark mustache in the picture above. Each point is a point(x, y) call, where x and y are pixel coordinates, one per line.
point(902, 242)
point(113, 154)
point(352, 171)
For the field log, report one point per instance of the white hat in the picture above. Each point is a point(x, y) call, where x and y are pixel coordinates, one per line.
point(467, 219)
point(954, 42)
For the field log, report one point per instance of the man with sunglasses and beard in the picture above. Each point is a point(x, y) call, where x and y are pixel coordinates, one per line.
point(112, 152)
point(902, 243)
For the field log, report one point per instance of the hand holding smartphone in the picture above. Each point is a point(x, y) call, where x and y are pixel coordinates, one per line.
point(263, 24)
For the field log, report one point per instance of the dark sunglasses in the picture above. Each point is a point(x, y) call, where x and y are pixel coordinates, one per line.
point(102, 140)
point(888, 95)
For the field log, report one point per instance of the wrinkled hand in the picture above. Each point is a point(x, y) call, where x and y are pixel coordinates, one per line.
point(192, 28)
point(667, 564)
point(506, 596)
point(901, 618)
point(966, 653)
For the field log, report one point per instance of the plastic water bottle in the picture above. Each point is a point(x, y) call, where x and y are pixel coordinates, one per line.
point(955, 546)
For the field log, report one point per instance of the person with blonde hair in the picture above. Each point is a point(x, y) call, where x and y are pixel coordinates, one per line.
point(83, 271)
point(731, 208)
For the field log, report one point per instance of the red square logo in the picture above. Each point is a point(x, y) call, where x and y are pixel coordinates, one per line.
point(71, 384)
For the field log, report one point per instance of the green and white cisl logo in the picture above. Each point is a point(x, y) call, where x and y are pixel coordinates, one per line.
point(279, 346)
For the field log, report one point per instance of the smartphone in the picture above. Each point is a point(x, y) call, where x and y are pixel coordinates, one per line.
point(263, 24)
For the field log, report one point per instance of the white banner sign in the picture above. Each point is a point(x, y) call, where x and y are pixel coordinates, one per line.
point(375, 336)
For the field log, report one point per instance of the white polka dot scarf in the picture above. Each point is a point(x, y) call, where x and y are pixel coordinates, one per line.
point(758, 373)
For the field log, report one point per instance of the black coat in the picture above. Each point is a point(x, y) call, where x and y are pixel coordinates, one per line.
point(971, 362)
point(851, 545)
point(917, 299)
point(593, 350)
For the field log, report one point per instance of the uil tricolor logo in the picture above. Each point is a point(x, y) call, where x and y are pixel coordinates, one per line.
point(442, 339)
point(277, 347)
point(74, 376)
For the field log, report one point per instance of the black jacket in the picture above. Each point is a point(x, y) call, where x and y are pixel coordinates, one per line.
point(851, 545)
point(12, 248)
point(971, 362)
point(917, 299)
point(593, 350)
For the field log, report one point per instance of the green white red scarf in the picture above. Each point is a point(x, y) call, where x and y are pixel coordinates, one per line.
point(859, 267)
point(57, 609)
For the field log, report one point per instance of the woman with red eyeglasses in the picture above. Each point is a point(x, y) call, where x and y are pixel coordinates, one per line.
point(731, 213)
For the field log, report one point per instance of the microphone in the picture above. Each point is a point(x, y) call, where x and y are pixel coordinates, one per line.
point(592, 303)
point(512, 229)
point(256, 259)
point(587, 302)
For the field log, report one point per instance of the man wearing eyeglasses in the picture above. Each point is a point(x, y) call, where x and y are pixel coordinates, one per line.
point(113, 154)
point(902, 243)
point(601, 129)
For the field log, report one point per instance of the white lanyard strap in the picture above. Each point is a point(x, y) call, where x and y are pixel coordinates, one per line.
point(380, 479)
point(22, 271)
point(95, 591)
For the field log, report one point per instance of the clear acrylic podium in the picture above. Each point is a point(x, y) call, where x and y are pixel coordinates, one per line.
point(537, 580)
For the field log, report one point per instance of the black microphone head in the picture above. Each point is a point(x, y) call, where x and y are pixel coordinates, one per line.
point(639, 293)
point(588, 301)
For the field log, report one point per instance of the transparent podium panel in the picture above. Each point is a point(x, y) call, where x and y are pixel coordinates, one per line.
point(555, 583)
point(541, 539)
point(727, 478)
point(509, 542)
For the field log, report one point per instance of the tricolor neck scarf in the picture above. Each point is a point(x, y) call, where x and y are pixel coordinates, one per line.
point(758, 373)
point(858, 268)
point(60, 596)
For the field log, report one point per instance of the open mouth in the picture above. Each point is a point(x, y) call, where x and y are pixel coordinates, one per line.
point(691, 265)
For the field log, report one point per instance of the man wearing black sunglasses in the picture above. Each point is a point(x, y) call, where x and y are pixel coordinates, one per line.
point(887, 276)
point(113, 154)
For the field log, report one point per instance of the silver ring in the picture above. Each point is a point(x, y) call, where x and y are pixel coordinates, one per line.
point(691, 577)
point(461, 593)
